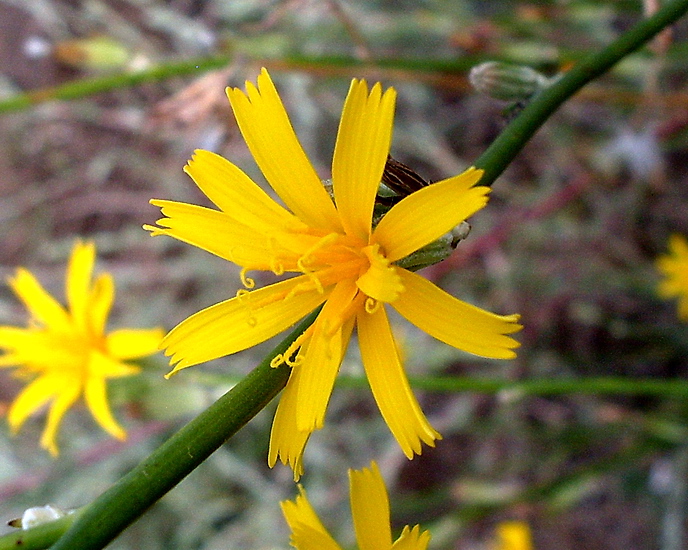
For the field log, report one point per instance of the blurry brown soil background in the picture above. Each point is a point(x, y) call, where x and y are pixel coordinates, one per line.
point(568, 240)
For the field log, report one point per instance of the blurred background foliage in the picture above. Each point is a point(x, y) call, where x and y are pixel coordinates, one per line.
point(568, 240)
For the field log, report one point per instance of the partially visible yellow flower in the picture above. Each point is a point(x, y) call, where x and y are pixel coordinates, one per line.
point(513, 535)
point(370, 511)
point(339, 258)
point(674, 266)
point(65, 351)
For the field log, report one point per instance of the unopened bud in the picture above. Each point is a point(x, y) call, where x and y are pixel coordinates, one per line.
point(507, 82)
point(32, 517)
point(99, 53)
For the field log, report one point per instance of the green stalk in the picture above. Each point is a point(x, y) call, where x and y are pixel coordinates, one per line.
point(86, 87)
point(131, 496)
point(611, 385)
point(510, 142)
point(89, 86)
point(113, 511)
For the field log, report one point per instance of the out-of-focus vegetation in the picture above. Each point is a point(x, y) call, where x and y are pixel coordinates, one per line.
point(568, 240)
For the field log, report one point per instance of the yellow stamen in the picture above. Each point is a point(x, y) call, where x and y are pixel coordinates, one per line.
point(276, 266)
point(291, 350)
point(307, 257)
point(371, 305)
point(245, 280)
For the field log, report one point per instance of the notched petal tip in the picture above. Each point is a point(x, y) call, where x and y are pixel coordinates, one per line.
point(153, 230)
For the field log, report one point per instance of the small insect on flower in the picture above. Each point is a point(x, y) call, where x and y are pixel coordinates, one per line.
point(403, 181)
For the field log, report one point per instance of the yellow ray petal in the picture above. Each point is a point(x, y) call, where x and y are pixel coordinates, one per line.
point(412, 539)
point(15, 342)
point(389, 384)
point(324, 356)
point(287, 443)
point(454, 322)
point(33, 397)
point(78, 282)
point(100, 301)
point(370, 508)
point(133, 343)
point(363, 140)
point(269, 135)
point(103, 366)
point(308, 532)
point(237, 195)
point(217, 233)
point(64, 400)
point(38, 349)
point(41, 305)
point(95, 394)
point(239, 323)
point(427, 214)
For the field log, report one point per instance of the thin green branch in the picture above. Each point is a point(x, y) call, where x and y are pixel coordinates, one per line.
point(546, 386)
point(435, 70)
point(90, 86)
point(510, 142)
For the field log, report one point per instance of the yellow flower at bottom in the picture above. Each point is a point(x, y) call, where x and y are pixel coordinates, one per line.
point(674, 266)
point(514, 535)
point(65, 351)
point(370, 511)
point(339, 259)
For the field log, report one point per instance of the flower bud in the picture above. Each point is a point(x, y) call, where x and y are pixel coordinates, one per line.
point(39, 515)
point(98, 53)
point(507, 82)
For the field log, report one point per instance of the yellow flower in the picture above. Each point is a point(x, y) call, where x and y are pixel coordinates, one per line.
point(66, 352)
point(342, 261)
point(370, 511)
point(514, 535)
point(674, 266)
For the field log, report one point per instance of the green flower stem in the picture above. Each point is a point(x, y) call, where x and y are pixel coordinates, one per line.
point(131, 496)
point(510, 142)
point(677, 388)
point(90, 86)
point(86, 87)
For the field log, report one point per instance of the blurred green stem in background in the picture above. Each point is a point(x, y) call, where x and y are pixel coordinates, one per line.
point(557, 386)
point(101, 521)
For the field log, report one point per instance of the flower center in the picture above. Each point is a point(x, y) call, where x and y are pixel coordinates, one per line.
point(380, 280)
